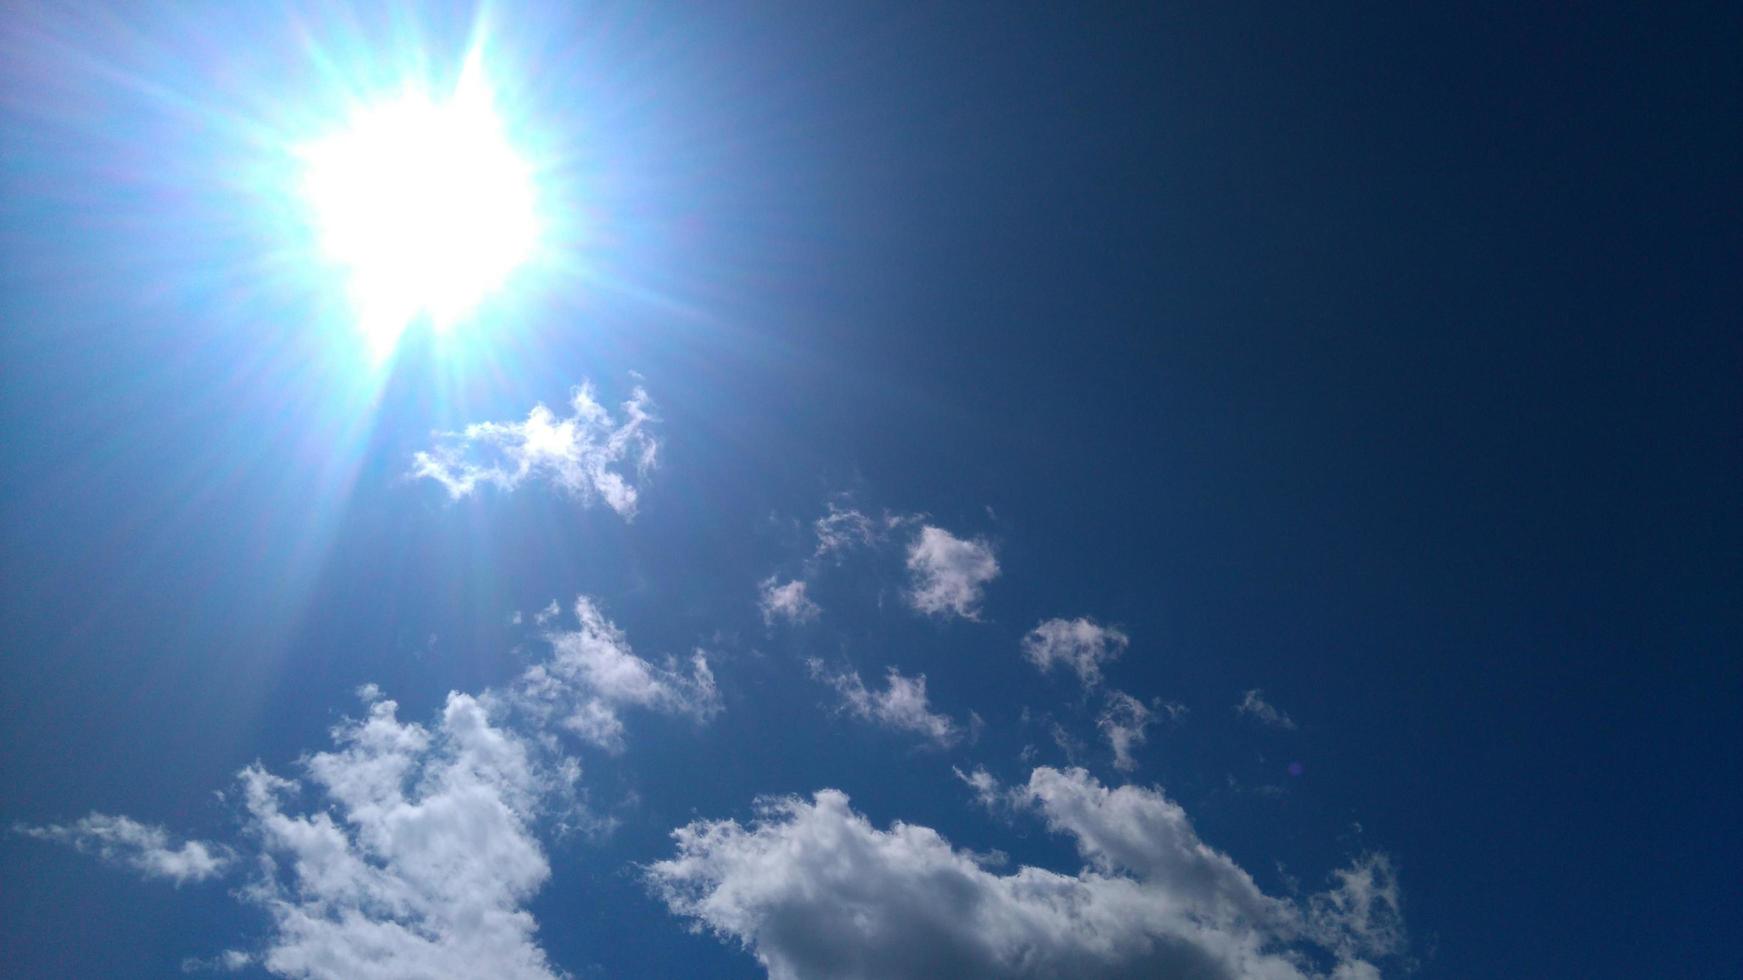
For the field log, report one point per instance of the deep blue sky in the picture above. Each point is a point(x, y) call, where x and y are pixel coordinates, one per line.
point(1384, 360)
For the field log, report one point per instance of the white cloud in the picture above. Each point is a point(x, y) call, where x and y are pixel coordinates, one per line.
point(1122, 722)
point(901, 705)
point(812, 889)
point(1131, 829)
point(422, 859)
point(412, 851)
point(787, 600)
point(1080, 644)
point(986, 789)
point(589, 454)
point(948, 573)
point(1071, 745)
point(592, 672)
point(416, 858)
point(1254, 705)
point(229, 961)
point(844, 528)
point(1363, 914)
point(145, 848)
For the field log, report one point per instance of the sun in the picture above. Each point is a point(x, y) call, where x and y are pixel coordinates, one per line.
point(425, 203)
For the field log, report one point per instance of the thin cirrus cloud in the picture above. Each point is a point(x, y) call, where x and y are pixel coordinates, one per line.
point(813, 889)
point(589, 454)
point(948, 574)
point(1080, 644)
point(901, 706)
point(1253, 705)
point(145, 848)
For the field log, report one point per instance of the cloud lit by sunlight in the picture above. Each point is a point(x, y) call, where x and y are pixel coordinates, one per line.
point(425, 203)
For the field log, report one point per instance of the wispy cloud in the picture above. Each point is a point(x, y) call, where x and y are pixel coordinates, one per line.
point(987, 791)
point(1253, 705)
point(844, 528)
point(147, 849)
point(1363, 912)
point(786, 601)
point(589, 454)
point(813, 889)
point(1080, 644)
point(1123, 722)
point(593, 672)
point(1073, 747)
point(229, 961)
point(901, 705)
point(948, 574)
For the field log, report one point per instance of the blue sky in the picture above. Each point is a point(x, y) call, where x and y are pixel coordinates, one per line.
point(979, 490)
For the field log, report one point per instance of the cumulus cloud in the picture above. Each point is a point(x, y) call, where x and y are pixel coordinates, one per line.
point(593, 672)
point(785, 601)
point(589, 454)
point(422, 859)
point(901, 705)
point(813, 889)
point(1254, 705)
point(948, 574)
point(1080, 644)
point(146, 848)
point(413, 852)
point(408, 850)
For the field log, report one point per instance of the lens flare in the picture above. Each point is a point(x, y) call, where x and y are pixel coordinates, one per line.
point(425, 203)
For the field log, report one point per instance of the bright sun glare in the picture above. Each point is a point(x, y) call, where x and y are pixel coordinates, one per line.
point(425, 203)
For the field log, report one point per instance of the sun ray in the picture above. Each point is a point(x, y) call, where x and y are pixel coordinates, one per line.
point(425, 203)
